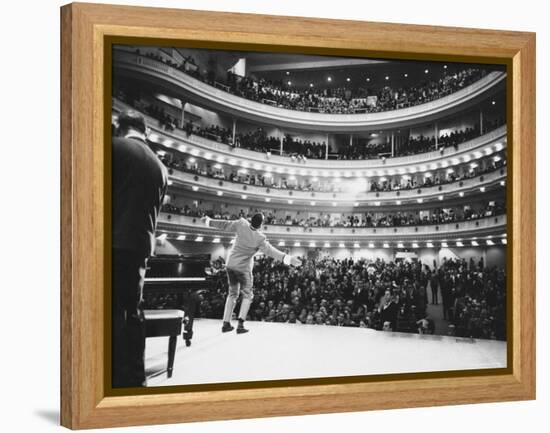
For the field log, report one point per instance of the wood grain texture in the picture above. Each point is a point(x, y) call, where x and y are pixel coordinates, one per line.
point(84, 403)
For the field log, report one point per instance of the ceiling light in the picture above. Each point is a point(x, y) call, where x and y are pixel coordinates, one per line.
point(220, 193)
point(216, 240)
point(342, 245)
point(199, 239)
point(327, 244)
point(281, 243)
point(444, 244)
point(181, 238)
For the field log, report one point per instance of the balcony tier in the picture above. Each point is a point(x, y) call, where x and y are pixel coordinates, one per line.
point(190, 89)
point(480, 229)
point(493, 141)
point(212, 186)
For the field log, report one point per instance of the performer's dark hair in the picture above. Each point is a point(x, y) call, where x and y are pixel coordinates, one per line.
point(131, 119)
point(257, 220)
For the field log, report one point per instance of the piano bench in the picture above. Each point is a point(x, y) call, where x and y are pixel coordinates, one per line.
point(165, 323)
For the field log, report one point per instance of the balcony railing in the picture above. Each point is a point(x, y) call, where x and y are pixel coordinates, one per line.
point(190, 88)
point(260, 193)
point(480, 228)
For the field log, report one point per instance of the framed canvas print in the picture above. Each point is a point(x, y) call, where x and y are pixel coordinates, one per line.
point(269, 216)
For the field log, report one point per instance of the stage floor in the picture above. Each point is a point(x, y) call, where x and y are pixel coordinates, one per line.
point(273, 351)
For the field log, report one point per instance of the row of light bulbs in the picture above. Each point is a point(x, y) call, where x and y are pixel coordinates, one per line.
point(341, 244)
point(325, 173)
point(440, 197)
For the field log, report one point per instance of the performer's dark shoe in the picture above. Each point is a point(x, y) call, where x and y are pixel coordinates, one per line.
point(241, 329)
point(227, 327)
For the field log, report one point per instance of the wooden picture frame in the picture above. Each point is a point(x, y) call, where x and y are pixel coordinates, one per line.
point(86, 30)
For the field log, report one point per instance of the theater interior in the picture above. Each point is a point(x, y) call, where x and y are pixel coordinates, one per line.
point(387, 177)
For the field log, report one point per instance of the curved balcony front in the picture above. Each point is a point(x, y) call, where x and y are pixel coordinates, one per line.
point(208, 185)
point(480, 229)
point(191, 89)
point(195, 145)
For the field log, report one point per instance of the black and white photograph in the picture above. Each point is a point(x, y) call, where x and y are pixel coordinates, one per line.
point(282, 216)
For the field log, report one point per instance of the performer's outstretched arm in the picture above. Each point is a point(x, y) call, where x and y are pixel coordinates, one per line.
point(271, 251)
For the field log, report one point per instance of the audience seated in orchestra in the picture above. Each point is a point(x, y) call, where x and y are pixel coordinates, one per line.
point(376, 294)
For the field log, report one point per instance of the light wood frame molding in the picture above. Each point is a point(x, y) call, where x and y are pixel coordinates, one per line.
point(85, 402)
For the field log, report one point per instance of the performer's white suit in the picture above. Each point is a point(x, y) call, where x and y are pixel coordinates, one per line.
point(240, 262)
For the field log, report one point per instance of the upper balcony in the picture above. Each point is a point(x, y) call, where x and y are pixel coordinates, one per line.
point(187, 88)
point(474, 230)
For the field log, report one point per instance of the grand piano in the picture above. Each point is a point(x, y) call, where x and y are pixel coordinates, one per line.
point(176, 281)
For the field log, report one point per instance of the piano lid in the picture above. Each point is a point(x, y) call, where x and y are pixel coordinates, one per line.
point(173, 268)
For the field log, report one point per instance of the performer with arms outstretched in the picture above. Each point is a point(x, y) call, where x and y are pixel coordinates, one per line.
point(249, 240)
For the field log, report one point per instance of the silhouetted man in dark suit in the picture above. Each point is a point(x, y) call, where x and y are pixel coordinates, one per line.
point(139, 184)
point(434, 286)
